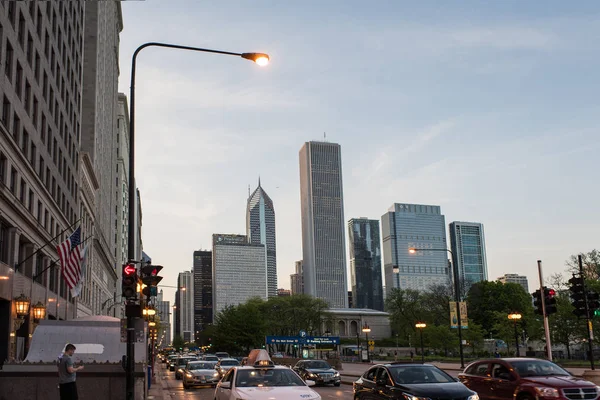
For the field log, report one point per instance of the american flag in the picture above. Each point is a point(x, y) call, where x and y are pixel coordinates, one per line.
point(69, 253)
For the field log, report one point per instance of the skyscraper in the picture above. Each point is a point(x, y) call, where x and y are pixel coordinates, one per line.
point(203, 290)
point(239, 271)
point(323, 238)
point(468, 253)
point(185, 301)
point(407, 226)
point(515, 278)
point(297, 280)
point(163, 310)
point(260, 229)
point(365, 263)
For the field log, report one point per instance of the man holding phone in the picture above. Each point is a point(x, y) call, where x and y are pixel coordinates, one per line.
point(67, 373)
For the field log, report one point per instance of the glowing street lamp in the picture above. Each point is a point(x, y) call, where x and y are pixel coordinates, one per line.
point(420, 326)
point(516, 317)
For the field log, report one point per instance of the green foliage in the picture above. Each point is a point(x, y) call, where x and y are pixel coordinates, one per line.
point(238, 329)
point(178, 342)
point(591, 265)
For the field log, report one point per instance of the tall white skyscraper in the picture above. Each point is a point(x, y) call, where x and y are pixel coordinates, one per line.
point(468, 249)
point(515, 278)
point(185, 292)
point(323, 236)
point(420, 226)
point(239, 271)
point(260, 229)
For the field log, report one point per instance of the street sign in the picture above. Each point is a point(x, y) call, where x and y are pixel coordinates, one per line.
point(302, 333)
point(283, 340)
point(371, 343)
point(323, 340)
point(311, 340)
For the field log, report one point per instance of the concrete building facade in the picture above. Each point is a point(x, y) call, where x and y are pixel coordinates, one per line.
point(322, 210)
point(233, 258)
point(163, 310)
point(515, 278)
point(365, 263)
point(185, 305)
point(40, 129)
point(419, 226)
point(297, 279)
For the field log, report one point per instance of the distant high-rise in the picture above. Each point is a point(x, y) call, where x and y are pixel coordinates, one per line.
point(163, 310)
point(515, 278)
point(468, 249)
point(260, 229)
point(323, 238)
point(297, 280)
point(203, 290)
point(407, 226)
point(365, 263)
point(238, 271)
point(185, 293)
point(283, 292)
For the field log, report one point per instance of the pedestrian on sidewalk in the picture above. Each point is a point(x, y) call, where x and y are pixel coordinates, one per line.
point(67, 374)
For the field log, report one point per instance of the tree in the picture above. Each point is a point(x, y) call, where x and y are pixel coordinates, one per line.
point(590, 262)
point(441, 337)
point(474, 336)
point(406, 308)
point(178, 342)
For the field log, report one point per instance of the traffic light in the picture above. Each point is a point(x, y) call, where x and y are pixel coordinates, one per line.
point(151, 279)
point(129, 281)
point(537, 302)
point(593, 303)
point(577, 295)
point(550, 300)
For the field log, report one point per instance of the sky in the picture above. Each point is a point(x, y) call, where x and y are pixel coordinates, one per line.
point(488, 109)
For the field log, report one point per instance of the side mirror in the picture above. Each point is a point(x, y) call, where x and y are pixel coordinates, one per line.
point(225, 385)
point(310, 383)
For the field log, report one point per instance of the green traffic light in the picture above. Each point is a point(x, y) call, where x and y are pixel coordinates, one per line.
point(596, 313)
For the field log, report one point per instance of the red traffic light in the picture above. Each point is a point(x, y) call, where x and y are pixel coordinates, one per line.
point(129, 269)
point(551, 292)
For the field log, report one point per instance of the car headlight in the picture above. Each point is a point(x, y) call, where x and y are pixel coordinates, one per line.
point(216, 374)
point(547, 392)
point(336, 373)
point(191, 376)
point(409, 396)
point(473, 397)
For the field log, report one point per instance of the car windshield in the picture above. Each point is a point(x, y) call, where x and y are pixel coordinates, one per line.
point(183, 361)
point(419, 374)
point(317, 364)
point(526, 368)
point(211, 358)
point(201, 365)
point(267, 377)
point(229, 363)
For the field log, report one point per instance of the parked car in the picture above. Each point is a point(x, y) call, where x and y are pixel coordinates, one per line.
point(200, 373)
point(409, 381)
point(525, 379)
point(225, 365)
point(319, 371)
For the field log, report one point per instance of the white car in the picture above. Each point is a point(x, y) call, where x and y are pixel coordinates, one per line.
point(261, 379)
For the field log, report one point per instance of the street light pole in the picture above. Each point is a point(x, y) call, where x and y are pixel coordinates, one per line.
point(260, 59)
point(413, 250)
point(515, 317)
point(420, 326)
point(366, 330)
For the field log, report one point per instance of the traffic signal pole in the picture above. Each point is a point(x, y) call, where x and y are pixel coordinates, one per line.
point(546, 325)
point(588, 319)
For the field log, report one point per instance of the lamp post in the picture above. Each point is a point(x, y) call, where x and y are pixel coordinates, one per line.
point(413, 250)
point(260, 59)
point(366, 330)
point(515, 317)
point(420, 326)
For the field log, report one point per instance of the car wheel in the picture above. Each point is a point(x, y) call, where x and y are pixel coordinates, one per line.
point(185, 386)
point(525, 397)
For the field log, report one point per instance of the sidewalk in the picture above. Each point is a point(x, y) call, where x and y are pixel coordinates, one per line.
point(157, 392)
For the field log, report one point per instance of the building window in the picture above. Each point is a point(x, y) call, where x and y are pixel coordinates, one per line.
point(39, 211)
point(16, 127)
point(25, 142)
point(5, 112)
point(3, 242)
point(30, 201)
point(45, 218)
point(3, 163)
point(13, 180)
point(19, 80)
point(23, 191)
point(8, 61)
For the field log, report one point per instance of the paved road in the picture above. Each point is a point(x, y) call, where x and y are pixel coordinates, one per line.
point(173, 389)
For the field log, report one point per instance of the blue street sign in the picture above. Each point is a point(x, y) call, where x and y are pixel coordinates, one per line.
point(283, 340)
point(302, 333)
point(323, 340)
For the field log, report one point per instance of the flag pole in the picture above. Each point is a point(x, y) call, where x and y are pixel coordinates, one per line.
point(18, 264)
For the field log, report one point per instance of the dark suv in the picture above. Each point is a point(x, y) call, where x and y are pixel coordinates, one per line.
point(525, 379)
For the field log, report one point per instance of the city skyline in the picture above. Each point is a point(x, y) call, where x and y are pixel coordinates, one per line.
point(406, 134)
